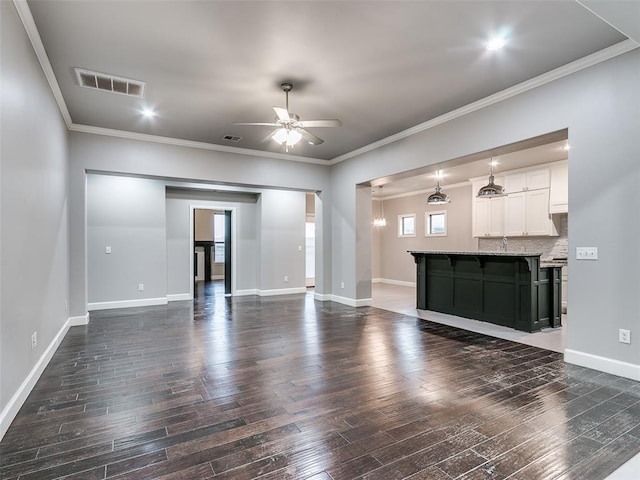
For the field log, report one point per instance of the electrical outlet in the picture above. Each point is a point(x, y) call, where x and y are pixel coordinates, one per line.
point(66, 306)
point(341, 284)
point(140, 287)
point(107, 249)
point(586, 253)
point(286, 278)
point(624, 336)
point(34, 340)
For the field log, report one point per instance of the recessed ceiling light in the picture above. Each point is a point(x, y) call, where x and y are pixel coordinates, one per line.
point(148, 113)
point(496, 43)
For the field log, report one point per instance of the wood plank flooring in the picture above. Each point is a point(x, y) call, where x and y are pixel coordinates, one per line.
point(290, 388)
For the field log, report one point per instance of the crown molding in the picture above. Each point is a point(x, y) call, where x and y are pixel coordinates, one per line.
point(74, 127)
point(560, 72)
point(34, 36)
point(36, 42)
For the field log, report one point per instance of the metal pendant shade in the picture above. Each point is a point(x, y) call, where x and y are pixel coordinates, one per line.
point(438, 198)
point(491, 189)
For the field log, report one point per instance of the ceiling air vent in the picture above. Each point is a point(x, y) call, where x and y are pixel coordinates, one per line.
point(232, 138)
point(109, 83)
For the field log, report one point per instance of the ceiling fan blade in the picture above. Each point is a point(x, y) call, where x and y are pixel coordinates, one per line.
point(282, 114)
point(320, 123)
point(310, 137)
point(256, 123)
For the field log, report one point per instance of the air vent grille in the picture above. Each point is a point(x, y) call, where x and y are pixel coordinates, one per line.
point(110, 83)
point(232, 138)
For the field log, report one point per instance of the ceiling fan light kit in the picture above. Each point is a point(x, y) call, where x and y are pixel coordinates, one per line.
point(290, 137)
point(289, 128)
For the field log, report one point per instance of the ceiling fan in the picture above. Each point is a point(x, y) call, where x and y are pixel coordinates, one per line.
point(289, 129)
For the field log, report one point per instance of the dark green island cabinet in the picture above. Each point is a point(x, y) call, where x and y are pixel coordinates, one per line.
point(509, 289)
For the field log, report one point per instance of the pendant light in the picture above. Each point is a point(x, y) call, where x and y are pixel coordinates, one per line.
point(438, 198)
point(380, 221)
point(491, 189)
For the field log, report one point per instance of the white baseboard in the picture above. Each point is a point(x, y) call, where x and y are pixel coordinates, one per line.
point(143, 302)
point(12, 408)
point(217, 277)
point(282, 291)
point(602, 364)
point(352, 302)
point(246, 292)
point(389, 281)
point(322, 297)
point(179, 297)
point(79, 321)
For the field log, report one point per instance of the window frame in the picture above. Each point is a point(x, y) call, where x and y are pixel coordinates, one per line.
point(401, 218)
point(218, 239)
point(427, 223)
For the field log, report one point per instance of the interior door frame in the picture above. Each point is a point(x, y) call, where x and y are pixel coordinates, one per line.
point(233, 250)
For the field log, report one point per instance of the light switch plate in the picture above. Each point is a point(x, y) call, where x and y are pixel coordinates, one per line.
point(586, 253)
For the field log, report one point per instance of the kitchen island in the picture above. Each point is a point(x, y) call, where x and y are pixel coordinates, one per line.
point(510, 289)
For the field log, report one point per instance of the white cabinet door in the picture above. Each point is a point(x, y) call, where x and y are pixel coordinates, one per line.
point(538, 221)
point(527, 214)
point(488, 218)
point(515, 213)
point(515, 182)
point(496, 217)
point(481, 217)
point(529, 180)
point(537, 179)
point(559, 193)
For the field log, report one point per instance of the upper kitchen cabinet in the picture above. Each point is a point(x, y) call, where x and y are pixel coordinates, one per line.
point(527, 211)
point(525, 181)
point(488, 217)
point(487, 213)
point(559, 195)
point(527, 214)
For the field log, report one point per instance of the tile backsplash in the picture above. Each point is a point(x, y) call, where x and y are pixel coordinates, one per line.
point(551, 247)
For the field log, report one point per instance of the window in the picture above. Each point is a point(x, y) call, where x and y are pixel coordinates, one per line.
point(435, 224)
point(218, 237)
point(407, 225)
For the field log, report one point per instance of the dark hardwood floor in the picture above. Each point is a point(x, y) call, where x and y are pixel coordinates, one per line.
point(286, 387)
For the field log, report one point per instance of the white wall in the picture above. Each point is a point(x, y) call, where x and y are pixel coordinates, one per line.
point(281, 250)
point(127, 214)
point(34, 251)
point(600, 106)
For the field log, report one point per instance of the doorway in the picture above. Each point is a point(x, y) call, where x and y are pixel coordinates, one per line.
point(212, 250)
point(310, 241)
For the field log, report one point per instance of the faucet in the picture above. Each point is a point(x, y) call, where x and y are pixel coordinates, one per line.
point(504, 244)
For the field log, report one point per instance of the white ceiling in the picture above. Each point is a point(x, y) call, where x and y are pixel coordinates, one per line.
point(381, 67)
